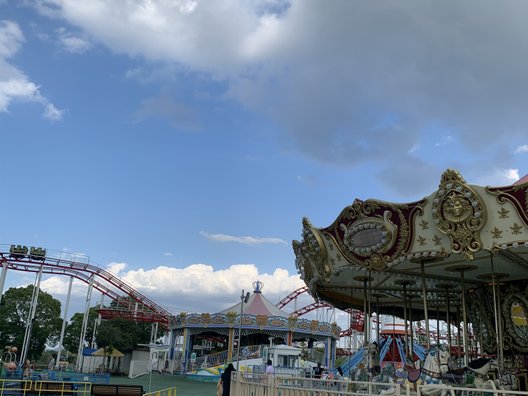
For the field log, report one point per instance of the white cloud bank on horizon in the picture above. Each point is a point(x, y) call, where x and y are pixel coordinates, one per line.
point(14, 84)
point(195, 288)
point(245, 240)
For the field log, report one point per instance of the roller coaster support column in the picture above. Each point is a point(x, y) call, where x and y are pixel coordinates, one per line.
point(80, 350)
point(64, 321)
point(31, 316)
point(3, 278)
point(97, 322)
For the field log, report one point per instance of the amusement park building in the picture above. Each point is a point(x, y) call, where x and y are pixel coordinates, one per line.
point(460, 254)
point(260, 321)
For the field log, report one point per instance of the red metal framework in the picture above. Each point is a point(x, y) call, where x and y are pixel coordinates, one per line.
point(357, 319)
point(292, 296)
point(129, 303)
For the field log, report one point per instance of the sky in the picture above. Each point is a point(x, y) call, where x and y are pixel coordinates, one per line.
point(179, 143)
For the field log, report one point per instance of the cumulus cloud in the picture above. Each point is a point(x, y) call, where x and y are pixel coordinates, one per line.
point(195, 288)
point(246, 240)
point(72, 43)
point(14, 84)
point(521, 149)
point(414, 63)
point(499, 177)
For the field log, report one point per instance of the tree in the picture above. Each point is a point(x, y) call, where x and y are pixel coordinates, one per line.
point(14, 311)
point(72, 333)
point(122, 334)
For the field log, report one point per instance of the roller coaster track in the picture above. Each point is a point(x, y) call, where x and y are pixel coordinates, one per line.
point(292, 296)
point(357, 320)
point(129, 303)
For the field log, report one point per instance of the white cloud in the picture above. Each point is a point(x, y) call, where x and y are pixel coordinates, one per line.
point(199, 287)
point(116, 268)
point(167, 254)
point(11, 38)
point(71, 43)
point(522, 149)
point(499, 177)
point(195, 288)
point(445, 140)
point(415, 62)
point(246, 240)
point(52, 113)
point(14, 84)
point(177, 114)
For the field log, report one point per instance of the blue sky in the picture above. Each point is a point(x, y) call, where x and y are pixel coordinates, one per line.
point(180, 143)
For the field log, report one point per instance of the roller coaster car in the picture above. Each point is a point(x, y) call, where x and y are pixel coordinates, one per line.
point(18, 251)
point(37, 253)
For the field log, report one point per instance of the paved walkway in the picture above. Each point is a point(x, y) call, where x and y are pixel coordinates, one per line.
point(184, 387)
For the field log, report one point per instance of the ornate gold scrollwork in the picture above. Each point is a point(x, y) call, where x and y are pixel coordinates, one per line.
point(515, 314)
point(311, 255)
point(459, 212)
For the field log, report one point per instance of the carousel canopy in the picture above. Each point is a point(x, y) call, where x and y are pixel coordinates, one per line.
point(420, 254)
point(257, 304)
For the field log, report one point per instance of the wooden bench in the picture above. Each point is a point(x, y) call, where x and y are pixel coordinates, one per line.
point(52, 388)
point(116, 390)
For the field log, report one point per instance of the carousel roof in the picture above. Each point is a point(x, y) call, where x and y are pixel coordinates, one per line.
point(421, 253)
point(257, 304)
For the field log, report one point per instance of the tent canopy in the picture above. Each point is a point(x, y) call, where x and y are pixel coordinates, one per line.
point(108, 351)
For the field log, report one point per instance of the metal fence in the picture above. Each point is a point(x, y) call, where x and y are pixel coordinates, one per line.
point(276, 385)
point(163, 392)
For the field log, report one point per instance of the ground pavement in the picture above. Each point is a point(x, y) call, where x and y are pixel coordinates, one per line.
point(184, 387)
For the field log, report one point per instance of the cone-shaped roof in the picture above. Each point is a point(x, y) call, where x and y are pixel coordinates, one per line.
point(522, 180)
point(257, 304)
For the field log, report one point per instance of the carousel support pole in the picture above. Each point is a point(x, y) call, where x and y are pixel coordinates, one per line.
point(462, 269)
point(496, 314)
point(446, 287)
point(350, 328)
point(369, 306)
point(411, 343)
point(404, 283)
point(438, 324)
point(459, 339)
point(426, 313)
point(464, 318)
point(366, 320)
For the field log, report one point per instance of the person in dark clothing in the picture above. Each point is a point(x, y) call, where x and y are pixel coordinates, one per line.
point(226, 379)
point(318, 371)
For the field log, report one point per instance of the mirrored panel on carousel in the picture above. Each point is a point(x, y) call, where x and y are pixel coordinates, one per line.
point(515, 311)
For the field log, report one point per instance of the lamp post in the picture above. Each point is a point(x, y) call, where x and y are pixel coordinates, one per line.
point(243, 299)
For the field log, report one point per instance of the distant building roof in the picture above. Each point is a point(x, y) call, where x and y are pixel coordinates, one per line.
point(257, 304)
point(522, 180)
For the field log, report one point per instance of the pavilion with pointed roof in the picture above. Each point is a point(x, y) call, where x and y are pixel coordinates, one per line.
point(259, 321)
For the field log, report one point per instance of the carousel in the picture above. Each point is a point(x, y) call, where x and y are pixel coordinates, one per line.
point(459, 255)
point(244, 332)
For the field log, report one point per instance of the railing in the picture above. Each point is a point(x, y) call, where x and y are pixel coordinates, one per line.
point(220, 358)
point(162, 392)
point(12, 387)
point(276, 385)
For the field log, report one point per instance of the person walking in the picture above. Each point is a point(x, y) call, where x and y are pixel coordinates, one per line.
point(226, 379)
point(51, 363)
point(270, 371)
